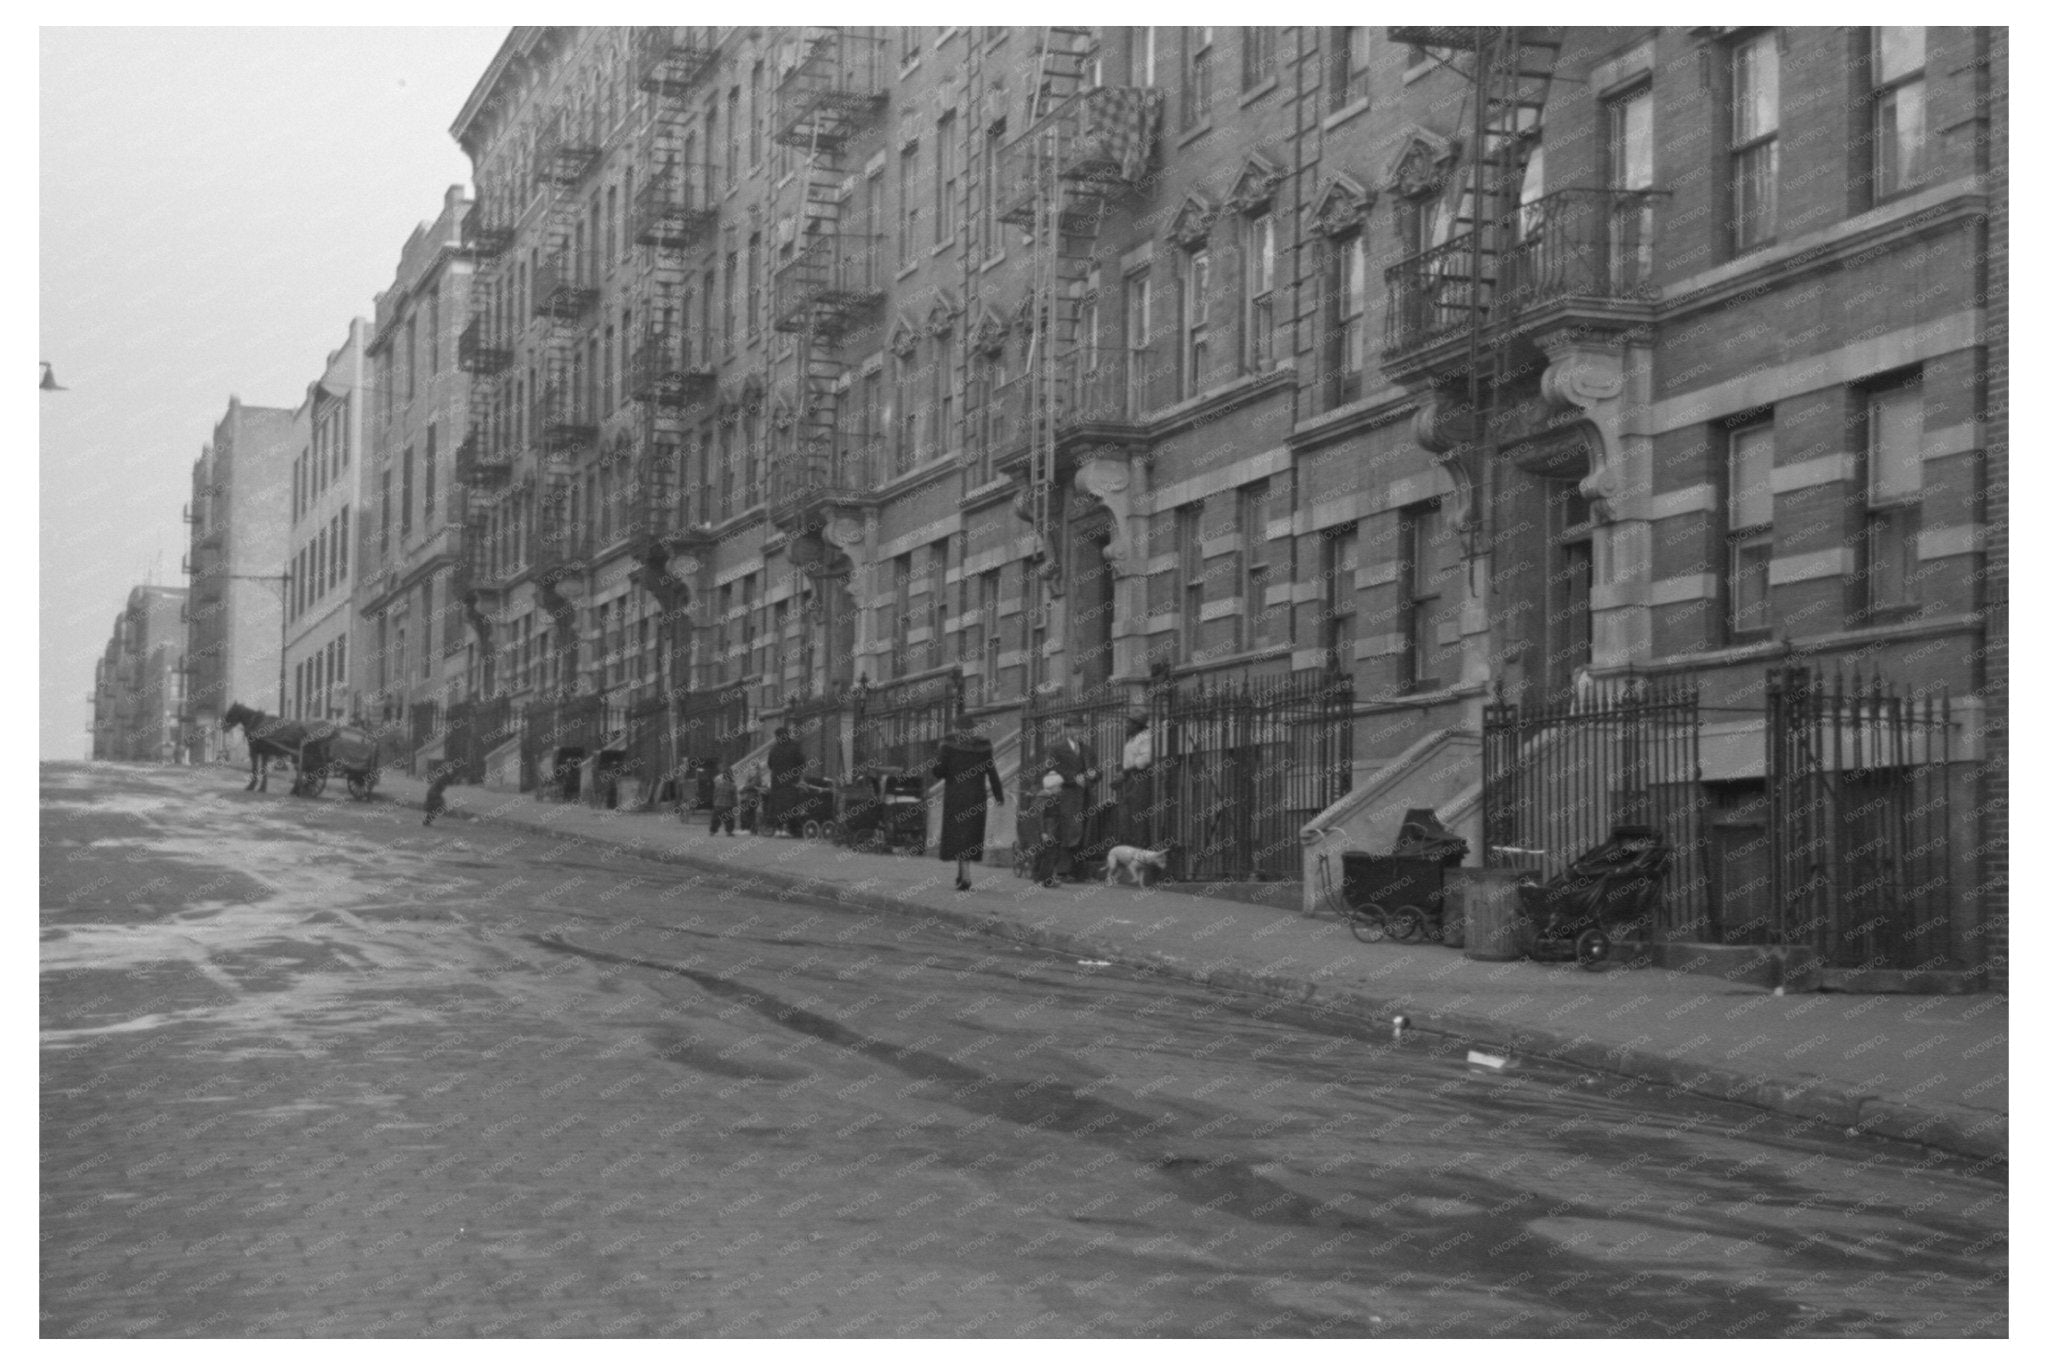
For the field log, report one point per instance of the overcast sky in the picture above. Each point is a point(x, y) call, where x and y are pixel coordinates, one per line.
point(215, 205)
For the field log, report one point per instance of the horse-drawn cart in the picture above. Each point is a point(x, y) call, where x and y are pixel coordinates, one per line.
point(342, 749)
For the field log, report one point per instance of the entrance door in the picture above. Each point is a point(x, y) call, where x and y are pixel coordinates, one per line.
point(1091, 622)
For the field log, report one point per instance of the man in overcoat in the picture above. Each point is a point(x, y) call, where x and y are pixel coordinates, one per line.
point(1071, 757)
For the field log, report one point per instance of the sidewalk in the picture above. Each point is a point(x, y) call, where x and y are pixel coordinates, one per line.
point(1927, 1069)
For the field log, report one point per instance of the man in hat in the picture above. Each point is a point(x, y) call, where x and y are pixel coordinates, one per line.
point(786, 763)
point(1073, 761)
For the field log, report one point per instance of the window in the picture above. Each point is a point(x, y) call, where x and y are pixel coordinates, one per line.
point(728, 472)
point(1187, 526)
point(907, 209)
point(1753, 141)
point(405, 493)
point(935, 606)
point(1891, 469)
point(1630, 170)
point(941, 434)
point(1350, 49)
point(754, 286)
point(989, 228)
point(1254, 565)
point(1137, 335)
point(871, 244)
point(1258, 294)
point(1340, 594)
point(434, 331)
point(750, 432)
point(411, 355)
point(900, 634)
point(604, 373)
point(947, 149)
point(732, 139)
point(1258, 56)
point(1198, 45)
point(732, 272)
point(1194, 306)
point(1752, 453)
point(427, 498)
point(341, 546)
point(1429, 604)
point(868, 459)
point(757, 113)
point(907, 45)
point(1348, 341)
point(710, 141)
point(990, 585)
point(384, 513)
point(905, 415)
point(1144, 56)
point(1898, 108)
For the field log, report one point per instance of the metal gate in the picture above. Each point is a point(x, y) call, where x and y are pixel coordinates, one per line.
point(1860, 838)
point(714, 728)
point(1558, 779)
point(901, 724)
point(818, 722)
point(1240, 767)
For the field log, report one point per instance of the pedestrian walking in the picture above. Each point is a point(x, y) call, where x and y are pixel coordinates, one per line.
point(967, 765)
point(725, 795)
point(750, 801)
point(437, 786)
point(1047, 854)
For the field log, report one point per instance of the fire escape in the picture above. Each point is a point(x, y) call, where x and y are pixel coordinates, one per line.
point(483, 458)
point(833, 284)
point(1082, 146)
point(1476, 313)
point(669, 372)
point(564, 293)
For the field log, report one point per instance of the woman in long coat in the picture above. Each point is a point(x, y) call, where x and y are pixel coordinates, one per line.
point(967, 765)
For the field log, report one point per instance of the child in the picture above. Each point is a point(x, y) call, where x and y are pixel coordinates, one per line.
point(436, 801)
point(750, 802)
point(1045, 860)
point(724, 796)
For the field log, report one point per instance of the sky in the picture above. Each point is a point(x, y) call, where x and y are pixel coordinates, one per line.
point(215, 205)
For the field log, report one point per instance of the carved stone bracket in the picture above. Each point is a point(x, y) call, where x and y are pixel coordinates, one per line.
point(1586, 377)
point(1255, 186)
point(1190, 226)
point(1106, 477)
point(1341, 208)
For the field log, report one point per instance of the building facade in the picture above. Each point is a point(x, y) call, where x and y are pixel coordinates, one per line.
point(239, 517)
point(416, 644)
point(323, 631)
point(1483, 367)
point(139, 681)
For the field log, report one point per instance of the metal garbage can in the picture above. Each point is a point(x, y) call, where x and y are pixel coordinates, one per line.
point(1488, 906)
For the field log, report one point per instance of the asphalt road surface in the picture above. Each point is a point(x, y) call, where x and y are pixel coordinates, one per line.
point(309, 1068)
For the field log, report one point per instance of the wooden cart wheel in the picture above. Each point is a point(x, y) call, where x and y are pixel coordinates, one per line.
point(313, 782)
point(359, 785)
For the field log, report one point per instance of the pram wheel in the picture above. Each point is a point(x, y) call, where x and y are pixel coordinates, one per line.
point(1405, 924)
point(1592, 949)
point(813, 829)
point(1368, 925)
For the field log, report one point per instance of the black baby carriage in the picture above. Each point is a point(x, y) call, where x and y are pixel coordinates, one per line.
point(1038, 837)
point(1607, 892)
point(1400, 894)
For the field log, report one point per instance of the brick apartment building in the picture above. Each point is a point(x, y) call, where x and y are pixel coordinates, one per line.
point(328, 476)
point(138, 682)
point(1474, 366)
point(415, 640)
point(239, 515)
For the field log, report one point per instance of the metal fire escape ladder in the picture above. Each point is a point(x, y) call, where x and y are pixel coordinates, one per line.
point(1511, 72)
point(1065, 214)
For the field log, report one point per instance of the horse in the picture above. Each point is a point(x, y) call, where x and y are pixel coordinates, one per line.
point(269, 737)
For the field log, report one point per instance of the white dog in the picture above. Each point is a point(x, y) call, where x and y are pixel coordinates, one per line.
point(1126, 858)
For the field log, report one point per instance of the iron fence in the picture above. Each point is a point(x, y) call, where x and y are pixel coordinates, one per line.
point(1558, 779)
point(1238, 767)
point(818, 722)
point(1860, 815)
point(900, 724)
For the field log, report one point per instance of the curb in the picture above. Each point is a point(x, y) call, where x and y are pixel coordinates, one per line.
point(1970, 1133)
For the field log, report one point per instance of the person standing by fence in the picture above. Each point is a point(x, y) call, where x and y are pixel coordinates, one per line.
point(1134, 789)
point(1073, 761)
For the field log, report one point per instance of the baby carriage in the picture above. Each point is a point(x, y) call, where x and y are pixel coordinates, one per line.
point(1607, 891)
point(1038, 835)
point(1400, 894)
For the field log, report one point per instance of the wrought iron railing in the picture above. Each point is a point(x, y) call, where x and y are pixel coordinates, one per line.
point(830, 281)
point(477, 350)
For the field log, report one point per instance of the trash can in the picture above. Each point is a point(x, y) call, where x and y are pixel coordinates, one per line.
point(1487, 905)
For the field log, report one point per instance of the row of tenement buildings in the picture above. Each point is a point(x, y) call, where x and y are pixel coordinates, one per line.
point(1470, 366)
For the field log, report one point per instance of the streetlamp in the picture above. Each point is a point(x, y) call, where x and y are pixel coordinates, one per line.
point(283, 581)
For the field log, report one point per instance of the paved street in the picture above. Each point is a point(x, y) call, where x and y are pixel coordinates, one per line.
point(312, 1069)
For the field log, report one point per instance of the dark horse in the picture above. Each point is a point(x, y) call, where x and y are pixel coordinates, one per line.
point(269, 737)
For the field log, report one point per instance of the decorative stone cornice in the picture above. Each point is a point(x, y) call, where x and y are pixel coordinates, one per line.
point(989, 332)
point(1255, 185)
point(1421, 166)
point(944, 313)
point(904, 338)
point(1191, 223)
point(1341, 207)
